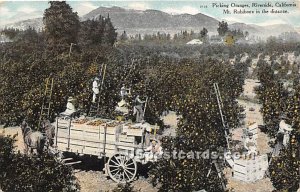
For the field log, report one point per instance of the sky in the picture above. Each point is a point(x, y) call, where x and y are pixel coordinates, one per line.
point(12, 11)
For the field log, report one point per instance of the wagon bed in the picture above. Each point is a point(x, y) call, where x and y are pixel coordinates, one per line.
point(117, 140)
point(99, 137)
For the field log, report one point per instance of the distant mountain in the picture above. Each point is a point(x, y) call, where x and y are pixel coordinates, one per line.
point(36, 23)
point(153, 20)
point(263, 31)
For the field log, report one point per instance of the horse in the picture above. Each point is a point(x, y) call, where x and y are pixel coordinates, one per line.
point(49, 131)
point(32, 140)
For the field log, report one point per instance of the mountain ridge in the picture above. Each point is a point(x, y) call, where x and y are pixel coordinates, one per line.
point(152, 21)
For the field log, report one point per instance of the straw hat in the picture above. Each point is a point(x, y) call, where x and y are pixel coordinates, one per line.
point(70, 99)
point(283, 116)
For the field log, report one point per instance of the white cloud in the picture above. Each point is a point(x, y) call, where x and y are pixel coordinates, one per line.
point(138, 6)
point(26, 9)
point(84, 8)
point(184, 9)
point(5, 13)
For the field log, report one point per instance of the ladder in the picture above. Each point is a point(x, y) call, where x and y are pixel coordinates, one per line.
point(45, 110)
point(223, 118)
point(95, 107)
point(219, 172)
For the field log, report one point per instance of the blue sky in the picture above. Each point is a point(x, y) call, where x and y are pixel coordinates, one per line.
point(11, 11)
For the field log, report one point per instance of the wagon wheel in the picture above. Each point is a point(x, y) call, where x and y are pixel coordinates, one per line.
point(121, 168)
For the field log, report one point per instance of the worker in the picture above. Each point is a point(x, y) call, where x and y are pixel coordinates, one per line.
point(285, 129)
point(278, 145)
point(70, 108)
point(122, 107)
point(124, 92)
point(154, 150)
point(95, 89)
point(250, 144)
point(138, 109)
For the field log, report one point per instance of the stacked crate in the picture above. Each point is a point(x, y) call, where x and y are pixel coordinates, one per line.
point(250, 170)
point(98, 136)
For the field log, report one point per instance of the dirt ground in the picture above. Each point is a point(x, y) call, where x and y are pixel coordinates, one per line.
point(95, 181)
point(263, 185)
point(14, 131)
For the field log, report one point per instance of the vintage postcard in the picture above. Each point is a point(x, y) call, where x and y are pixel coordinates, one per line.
point(150, 96)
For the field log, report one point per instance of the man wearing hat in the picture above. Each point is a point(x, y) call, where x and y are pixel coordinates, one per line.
point(250, 144)
point(154, 150)
point(70, 110)
point(123, 105)
point(138, 109)
point(95, 89)
point(285, 129)
point(124, 92)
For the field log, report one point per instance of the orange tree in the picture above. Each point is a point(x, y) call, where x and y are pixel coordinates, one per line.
point(273, 97)
point(200, 128)
point(23, 77)
point(276, 100)
point(285, 169)
point(19, 172)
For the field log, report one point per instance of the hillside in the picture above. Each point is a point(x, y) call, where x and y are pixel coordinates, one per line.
point(153, 21)
point(263, 30)
point(134, 21)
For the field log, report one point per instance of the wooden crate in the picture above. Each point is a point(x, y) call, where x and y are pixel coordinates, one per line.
point(253, 128)
point(94, 140)
point(133, 131)
point(250, 170)
point(126, 138)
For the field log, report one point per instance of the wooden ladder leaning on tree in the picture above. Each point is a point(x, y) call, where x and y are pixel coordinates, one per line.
point(95, 107)
point(226, 132)
point(46, 105)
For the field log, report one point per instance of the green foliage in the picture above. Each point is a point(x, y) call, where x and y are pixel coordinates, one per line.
point(6, 154)
point(204, 34)
point(72, 78)
point(11, 33)
point(96, 32)
point(201, 127)
point(109, 33)
point(284, 170)
point(276, 100)
point(273, 98)
point(29, 36)
point(61, 25)
point(20, 173)
point(174, 78)
point(293, 108)
point(223, 28)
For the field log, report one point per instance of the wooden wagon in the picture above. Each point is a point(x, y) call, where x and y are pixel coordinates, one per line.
point(123, 143)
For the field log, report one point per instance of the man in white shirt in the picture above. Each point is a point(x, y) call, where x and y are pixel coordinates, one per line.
point(70, 109)
point(95, 89)
point(124, 92)
point(153, 151)
point(250, 144)
point(285, 129)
